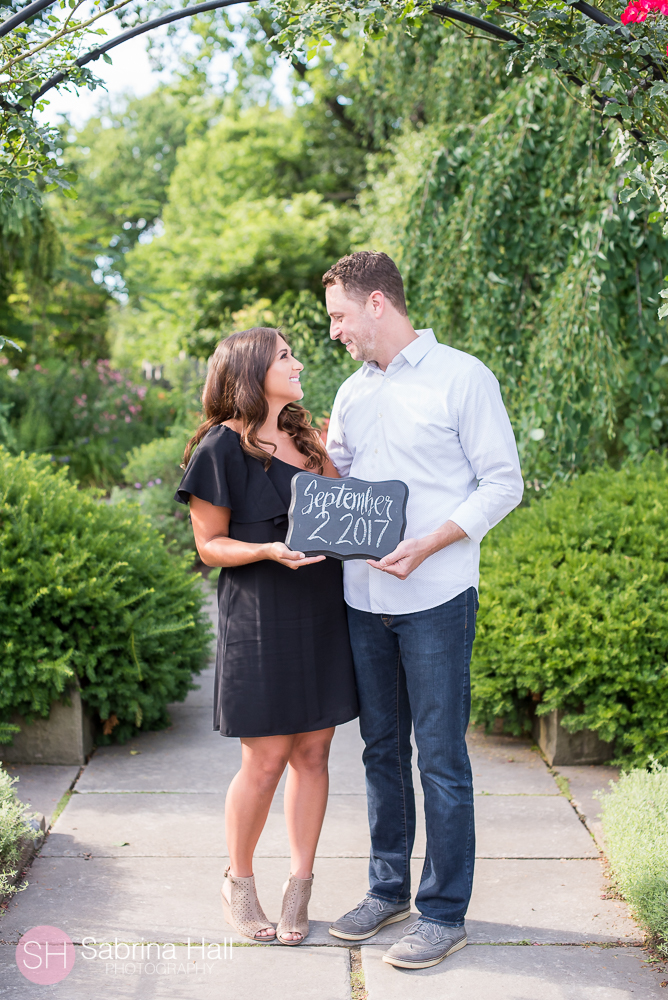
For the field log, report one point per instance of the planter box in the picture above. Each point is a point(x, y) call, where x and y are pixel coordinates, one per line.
point(562, 747)
point(66, 737)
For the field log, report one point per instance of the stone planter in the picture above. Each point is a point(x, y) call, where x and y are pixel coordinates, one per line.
point(66, 737)
point(562, 747)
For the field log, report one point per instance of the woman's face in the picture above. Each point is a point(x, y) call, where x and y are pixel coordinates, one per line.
point(282, 382)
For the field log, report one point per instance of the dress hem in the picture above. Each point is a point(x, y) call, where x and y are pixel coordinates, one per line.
point(292, 732)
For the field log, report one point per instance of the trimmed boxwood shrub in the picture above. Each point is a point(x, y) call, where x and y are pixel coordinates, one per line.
point(90, 595)
point(574, 611)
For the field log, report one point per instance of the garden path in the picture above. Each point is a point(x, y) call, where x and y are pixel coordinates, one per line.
point(138, 852)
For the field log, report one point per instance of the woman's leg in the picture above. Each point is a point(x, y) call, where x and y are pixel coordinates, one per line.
point(249, 796)
point(306, 791)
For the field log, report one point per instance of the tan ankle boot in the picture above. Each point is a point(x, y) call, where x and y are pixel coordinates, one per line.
point(294, 913)
point(242, 909)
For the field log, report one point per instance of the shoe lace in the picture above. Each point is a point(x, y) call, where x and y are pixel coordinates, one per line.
point(371, 903)
point(426, 929)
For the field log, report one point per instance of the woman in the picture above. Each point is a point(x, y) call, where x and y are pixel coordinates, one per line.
point(284, 676)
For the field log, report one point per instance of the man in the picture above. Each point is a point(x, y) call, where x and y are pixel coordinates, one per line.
point(433, 417)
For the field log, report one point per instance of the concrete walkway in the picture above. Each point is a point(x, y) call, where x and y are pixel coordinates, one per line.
point(138, 852)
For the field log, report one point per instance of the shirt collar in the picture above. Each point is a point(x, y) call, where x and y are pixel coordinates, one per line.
point(413, 353)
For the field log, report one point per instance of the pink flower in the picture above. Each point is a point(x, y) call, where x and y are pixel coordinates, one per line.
point(638, 10)
point(128, 420)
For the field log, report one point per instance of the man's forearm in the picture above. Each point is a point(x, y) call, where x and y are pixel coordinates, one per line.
point(439, 539)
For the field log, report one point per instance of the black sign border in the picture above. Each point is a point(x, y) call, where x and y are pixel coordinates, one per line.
point(348, 479)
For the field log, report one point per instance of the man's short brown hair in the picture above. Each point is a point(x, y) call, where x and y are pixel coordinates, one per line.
point(365, 272)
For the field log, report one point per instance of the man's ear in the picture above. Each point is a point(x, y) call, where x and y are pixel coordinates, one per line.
point(377, 302)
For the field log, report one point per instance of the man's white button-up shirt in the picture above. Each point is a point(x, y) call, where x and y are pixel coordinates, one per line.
point(434, 419)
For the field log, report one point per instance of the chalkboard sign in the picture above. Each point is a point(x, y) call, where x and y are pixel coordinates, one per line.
point(346, 518)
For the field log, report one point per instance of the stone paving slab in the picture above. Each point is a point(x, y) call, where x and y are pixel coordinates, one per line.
point(190, 757)
point(42, 786)
point(548, 901)
point(186, 757)
point(518, 826)
point(171, 899)
point(498, 973)
point(188, 825)
point(584, 781)
point(242, 974)
point(507, 765)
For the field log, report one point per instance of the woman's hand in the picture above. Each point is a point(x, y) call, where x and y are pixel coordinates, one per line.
point(280, 553)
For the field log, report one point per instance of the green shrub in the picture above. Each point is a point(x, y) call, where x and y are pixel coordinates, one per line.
point(15, 833)
point(635, 823)
point(89, 594)
point(153, 472)
point(85, 415)
point(574, 611)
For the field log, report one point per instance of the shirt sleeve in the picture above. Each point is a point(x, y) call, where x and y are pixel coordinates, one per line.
point(337, 447)
point(488, 442)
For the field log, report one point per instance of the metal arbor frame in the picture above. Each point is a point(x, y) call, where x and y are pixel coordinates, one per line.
point(447, 13)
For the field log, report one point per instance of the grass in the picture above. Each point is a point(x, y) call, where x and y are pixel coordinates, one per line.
point(15, 832)
point(635, 824)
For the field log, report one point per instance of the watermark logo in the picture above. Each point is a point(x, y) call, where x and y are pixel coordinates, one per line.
point(45, 955)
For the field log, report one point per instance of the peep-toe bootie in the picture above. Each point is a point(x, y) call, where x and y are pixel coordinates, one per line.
point(242, 909)
point(294, 913)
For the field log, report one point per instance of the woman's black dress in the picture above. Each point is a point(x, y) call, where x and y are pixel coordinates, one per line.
point(283, 663)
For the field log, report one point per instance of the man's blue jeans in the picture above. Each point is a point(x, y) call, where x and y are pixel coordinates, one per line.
point(414, 668)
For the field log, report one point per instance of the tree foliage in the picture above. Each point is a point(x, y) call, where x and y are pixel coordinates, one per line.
point(615, 70)
point(252, 214)
point(502, 206)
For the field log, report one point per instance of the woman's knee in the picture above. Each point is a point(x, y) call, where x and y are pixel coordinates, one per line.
point(311, 755)
point(265, 768)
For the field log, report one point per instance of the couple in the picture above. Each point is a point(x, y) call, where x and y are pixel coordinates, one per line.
point(299, 642)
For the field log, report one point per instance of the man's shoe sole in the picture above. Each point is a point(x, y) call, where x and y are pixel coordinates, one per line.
point(395, 918)
point(401, 964)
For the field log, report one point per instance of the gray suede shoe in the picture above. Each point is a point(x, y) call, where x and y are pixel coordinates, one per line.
point(367, 918)
point(425, 943)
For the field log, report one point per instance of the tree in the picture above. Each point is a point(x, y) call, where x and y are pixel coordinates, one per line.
point(249, 217)
point(618, 72)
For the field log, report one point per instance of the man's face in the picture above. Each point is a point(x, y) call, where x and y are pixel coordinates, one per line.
point(352, 322)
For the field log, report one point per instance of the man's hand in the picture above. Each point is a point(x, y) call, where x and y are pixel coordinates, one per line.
point(410, 553)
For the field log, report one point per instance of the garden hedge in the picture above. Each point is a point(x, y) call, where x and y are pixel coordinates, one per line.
point(90, 595)
point(574, 611)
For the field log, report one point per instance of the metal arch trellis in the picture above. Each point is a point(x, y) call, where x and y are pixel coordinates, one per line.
point(440, 10)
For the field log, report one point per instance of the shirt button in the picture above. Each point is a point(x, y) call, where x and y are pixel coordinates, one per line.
point(375, 451)
point(380, 414)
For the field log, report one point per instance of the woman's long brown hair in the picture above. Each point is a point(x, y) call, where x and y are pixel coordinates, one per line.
point(234, 390)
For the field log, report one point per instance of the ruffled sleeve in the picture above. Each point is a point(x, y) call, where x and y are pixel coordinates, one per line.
point(208, 470)
point(221, 473)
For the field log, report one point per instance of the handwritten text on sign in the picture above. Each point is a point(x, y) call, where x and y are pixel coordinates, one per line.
point(346, 518)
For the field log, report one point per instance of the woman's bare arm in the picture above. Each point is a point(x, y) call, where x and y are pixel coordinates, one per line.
point(211, 527)
point(330, 470)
